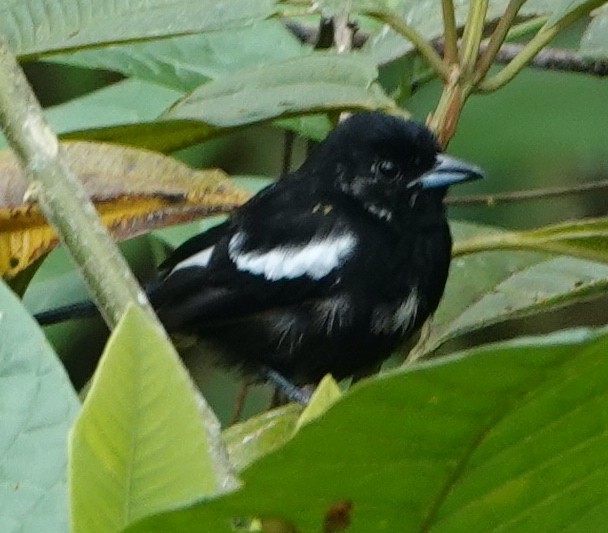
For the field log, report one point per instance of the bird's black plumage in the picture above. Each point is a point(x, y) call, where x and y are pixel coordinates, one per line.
point(330, 268)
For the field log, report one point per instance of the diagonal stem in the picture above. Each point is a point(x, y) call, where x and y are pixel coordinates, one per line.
point(62, 197)
point(498, 37)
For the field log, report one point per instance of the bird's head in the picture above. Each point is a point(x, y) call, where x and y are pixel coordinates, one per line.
point(390, 165)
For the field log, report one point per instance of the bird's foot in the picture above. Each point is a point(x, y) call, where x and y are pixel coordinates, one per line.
point(289, 390)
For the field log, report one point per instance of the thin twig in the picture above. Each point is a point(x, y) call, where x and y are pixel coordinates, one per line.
point(497, 39)
point(524, 196)
point(548, 59)
point(532, 48)
point(556, 59)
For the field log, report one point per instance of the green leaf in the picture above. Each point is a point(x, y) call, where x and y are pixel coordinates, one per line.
point(325, 395)
point(37, 408)
point(594, 42)
point(314, 83)
point(124, 103)
point(586, 239)
point(140, 444)
point(319, 82)
point(509, 437)
point(187, 61)
point(250, 440)
point(489, 287)
point(32, 27)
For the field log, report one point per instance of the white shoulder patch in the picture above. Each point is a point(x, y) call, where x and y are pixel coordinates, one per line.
point(315, 259)
point(200, 259)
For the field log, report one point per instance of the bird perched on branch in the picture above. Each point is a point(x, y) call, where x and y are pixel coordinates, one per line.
point(329, 269)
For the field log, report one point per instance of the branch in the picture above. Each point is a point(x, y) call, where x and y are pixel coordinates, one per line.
point(531, 49)
point(548, 59)
point(523, 196)
point(62, 197)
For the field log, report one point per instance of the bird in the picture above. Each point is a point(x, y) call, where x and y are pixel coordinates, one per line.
point(329, 269)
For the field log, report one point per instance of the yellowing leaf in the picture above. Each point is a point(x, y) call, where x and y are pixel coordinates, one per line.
point(134, 190)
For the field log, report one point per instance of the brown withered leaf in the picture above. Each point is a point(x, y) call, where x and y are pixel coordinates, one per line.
point(135, 191)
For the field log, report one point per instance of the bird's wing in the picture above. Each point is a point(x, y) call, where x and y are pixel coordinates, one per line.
point(254, 263)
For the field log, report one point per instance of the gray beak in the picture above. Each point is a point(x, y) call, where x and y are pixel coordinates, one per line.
point(449, 171)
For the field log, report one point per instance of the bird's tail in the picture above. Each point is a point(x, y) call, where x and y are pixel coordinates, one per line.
point(67, 312)
point(84, 309)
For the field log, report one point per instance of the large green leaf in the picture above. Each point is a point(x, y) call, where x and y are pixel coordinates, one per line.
point(317, 82)
point(187, 61)
point(491, 287)
point(37, 408)
point(140, 444)
point(126, 112)
point(34, 27)
point(509, 437)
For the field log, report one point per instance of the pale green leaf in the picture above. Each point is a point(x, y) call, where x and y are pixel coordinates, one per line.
point(491, 287)
point(250, 440)
point(325, 395)
point(34, 27)
point(185, 62)
point(594, 42)
point(317, 82)
point(37, 408)
point(141, 443)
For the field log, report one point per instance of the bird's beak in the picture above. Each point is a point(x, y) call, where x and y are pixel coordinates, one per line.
point(449, 171)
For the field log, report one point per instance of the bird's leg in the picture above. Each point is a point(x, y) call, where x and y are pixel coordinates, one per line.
point(292, 392)
point(240, 403)
point(366, 372)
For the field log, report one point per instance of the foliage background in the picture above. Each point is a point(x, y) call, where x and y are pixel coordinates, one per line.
point(544, 129)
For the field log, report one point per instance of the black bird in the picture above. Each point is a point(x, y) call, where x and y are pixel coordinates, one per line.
point(329, 269)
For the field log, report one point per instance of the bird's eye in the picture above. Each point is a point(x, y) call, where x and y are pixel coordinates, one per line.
point(387, 168)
